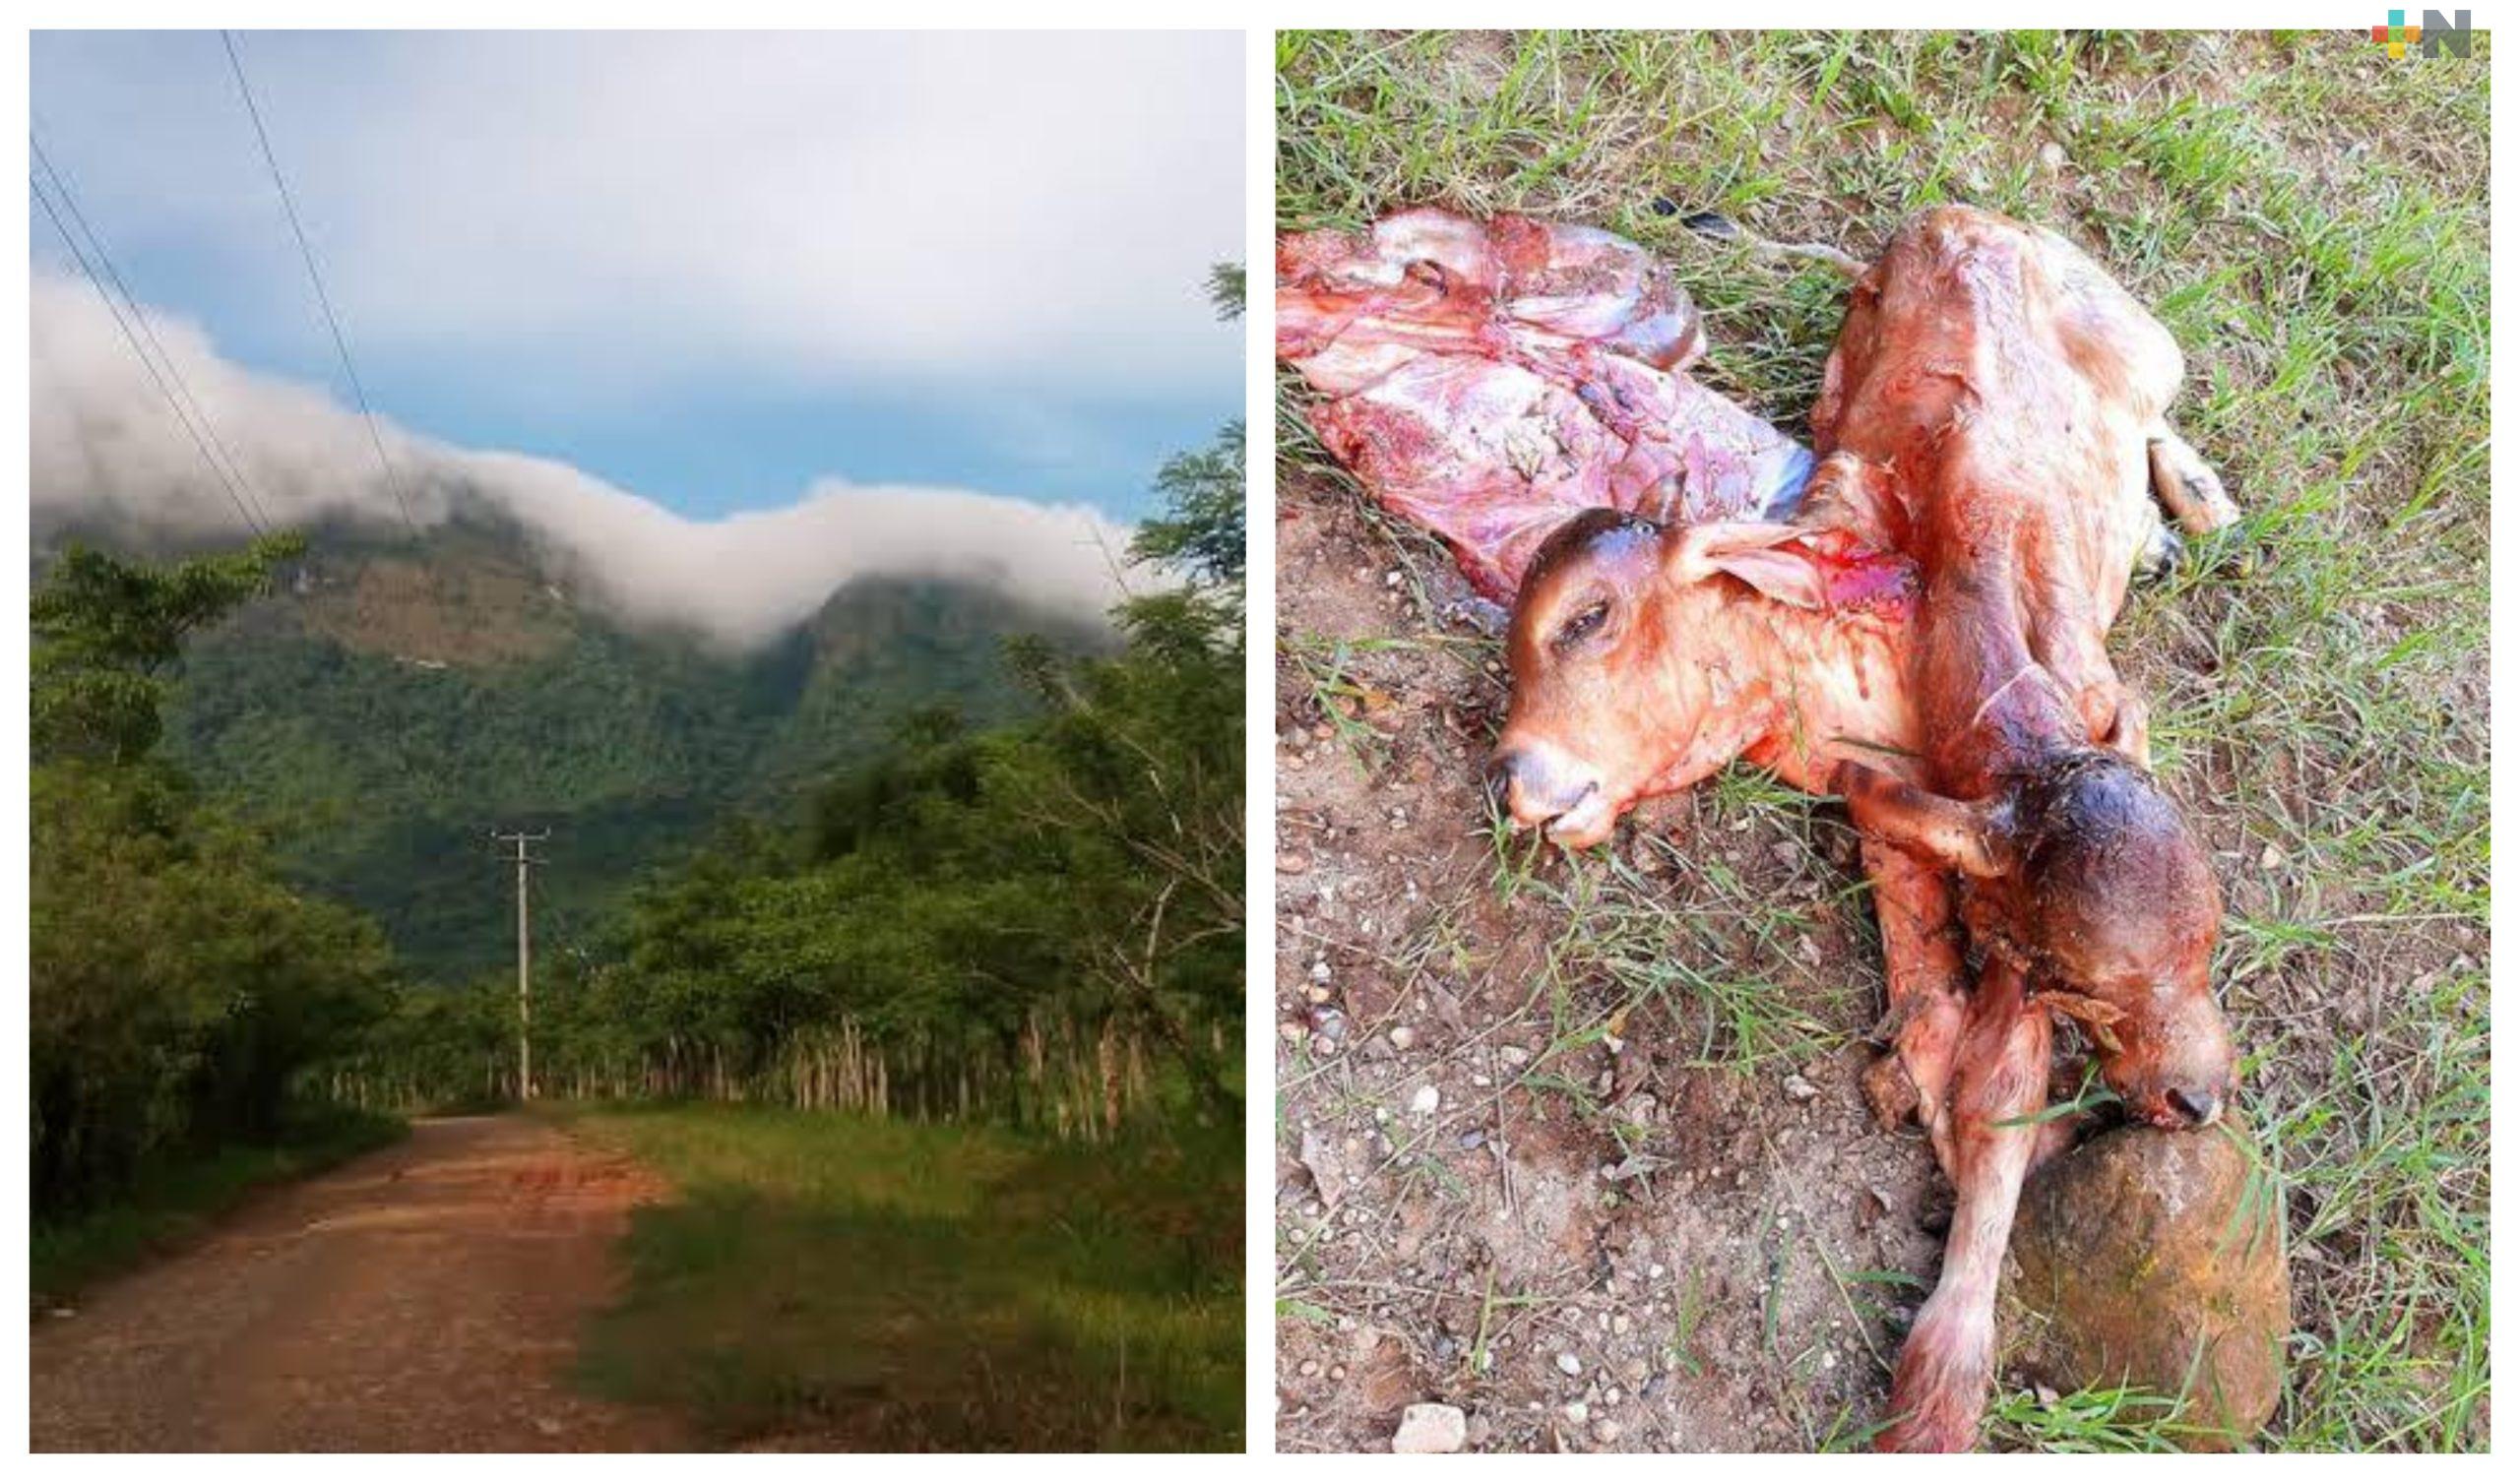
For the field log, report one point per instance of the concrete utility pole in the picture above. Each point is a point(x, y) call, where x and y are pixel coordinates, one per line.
point(524, 964)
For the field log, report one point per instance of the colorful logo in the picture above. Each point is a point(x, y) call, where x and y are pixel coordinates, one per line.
point(2429, 39)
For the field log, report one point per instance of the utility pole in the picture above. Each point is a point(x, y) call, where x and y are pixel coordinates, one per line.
point(524, 963)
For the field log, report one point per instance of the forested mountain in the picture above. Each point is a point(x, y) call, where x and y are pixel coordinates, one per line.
point(392, 700)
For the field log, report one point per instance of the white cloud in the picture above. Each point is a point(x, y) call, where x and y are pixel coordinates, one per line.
point(106, 446)
point(962, 209)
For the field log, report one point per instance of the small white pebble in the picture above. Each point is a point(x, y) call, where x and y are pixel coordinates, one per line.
point(1426, 1100)
point(1570, 1364)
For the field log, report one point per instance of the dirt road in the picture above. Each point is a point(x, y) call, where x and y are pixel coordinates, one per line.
point(426, 1297)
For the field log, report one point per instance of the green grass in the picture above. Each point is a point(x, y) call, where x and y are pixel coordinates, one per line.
point(831, 1281)
point(177, 1201)
point(2309, 221)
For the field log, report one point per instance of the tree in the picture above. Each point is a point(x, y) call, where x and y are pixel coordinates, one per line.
point(106, 630)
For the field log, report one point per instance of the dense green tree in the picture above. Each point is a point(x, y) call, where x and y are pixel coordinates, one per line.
point(177, 989)
point(106, 632)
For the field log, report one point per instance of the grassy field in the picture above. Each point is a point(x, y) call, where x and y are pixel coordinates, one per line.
point(2309, 219)
point(826, 1281)
point(171, 1204)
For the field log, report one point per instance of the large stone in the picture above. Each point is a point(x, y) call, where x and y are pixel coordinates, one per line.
point(2155, 1261)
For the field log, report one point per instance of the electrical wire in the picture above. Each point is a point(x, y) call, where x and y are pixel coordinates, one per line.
point(132, 337)
point(231, 470)
point(324, 300)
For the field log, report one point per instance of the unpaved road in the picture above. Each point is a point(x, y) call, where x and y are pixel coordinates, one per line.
point(425, 1297)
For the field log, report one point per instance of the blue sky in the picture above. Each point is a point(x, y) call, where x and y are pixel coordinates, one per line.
point(710, 270)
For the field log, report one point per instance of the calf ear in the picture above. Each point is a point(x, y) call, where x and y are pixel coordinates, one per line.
point(1960, 836)
point(1757, 552)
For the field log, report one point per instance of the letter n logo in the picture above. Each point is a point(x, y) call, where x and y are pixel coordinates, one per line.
point(2439, 33)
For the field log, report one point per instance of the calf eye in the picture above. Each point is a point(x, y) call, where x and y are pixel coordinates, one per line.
point(1584, 624)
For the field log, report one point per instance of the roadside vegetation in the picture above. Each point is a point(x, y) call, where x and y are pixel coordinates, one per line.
point(2310, 218)
point(833, 1280)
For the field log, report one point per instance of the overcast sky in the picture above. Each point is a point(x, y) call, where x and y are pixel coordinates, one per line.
point(709, 270)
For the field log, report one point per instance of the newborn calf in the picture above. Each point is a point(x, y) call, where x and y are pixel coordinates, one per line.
point(2012, 399)
point(1993, 421)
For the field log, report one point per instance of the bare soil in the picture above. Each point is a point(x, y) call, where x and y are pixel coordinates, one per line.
point(1655, 1245)
point(426, 1297)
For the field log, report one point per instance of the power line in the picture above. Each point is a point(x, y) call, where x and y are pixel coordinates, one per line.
point(230, 470)
point(324, 300)
point(132, 339)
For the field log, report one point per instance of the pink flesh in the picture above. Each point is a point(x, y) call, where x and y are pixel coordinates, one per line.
point(1488, 380)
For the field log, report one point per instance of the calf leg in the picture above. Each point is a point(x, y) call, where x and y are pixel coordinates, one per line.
point(1999, 1079)
point(2188, 486)
point(1921, 954)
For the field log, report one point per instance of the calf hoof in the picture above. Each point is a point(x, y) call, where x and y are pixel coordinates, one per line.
point(2159, 555)
point(1891, 1094)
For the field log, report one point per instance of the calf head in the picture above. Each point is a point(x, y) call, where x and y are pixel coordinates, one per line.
point(2085, 875)
point(1624, 672)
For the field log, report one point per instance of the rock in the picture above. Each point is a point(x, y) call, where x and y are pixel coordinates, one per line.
point(1403, 1037)
point(1801, 1088)
point(1431, 1428)
point(1327, 1163)
point(1293, 862)
point(1425, 1101)
point(2156, 1261)
point(1570, 1365)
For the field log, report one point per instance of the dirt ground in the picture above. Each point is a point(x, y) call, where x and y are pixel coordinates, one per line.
point(1609, 1232)
point(426, 1297)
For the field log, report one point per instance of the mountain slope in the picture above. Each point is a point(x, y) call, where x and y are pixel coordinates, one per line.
point(396, 701)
